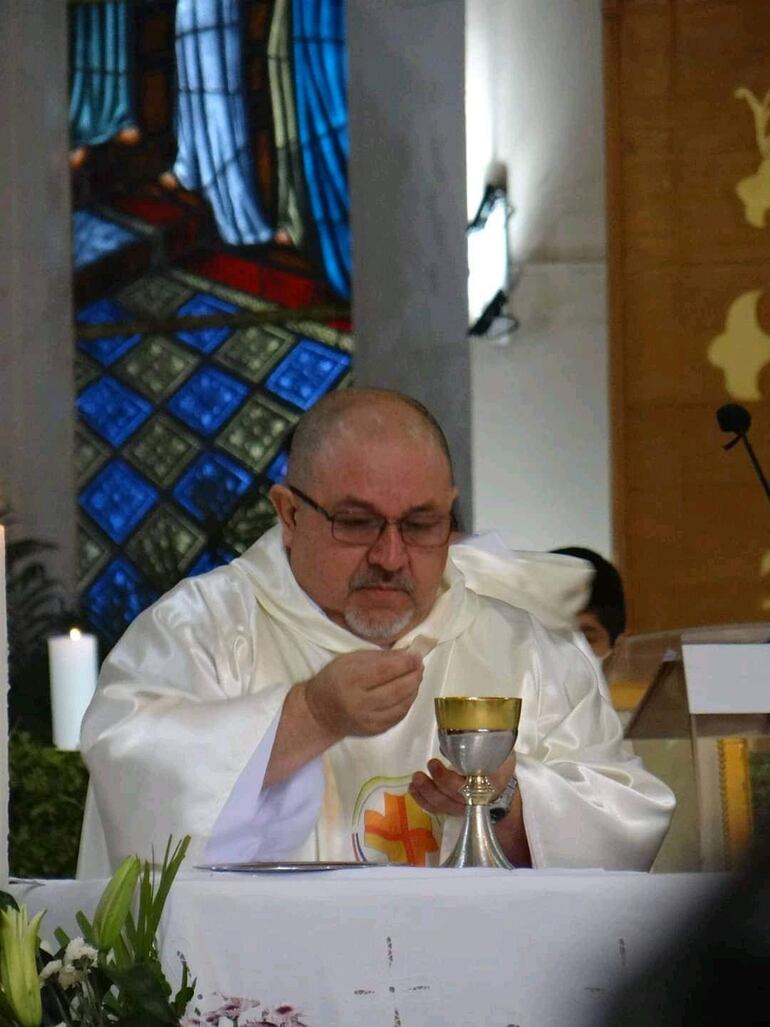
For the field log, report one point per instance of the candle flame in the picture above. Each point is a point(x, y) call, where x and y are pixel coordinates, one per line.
point(76, 633)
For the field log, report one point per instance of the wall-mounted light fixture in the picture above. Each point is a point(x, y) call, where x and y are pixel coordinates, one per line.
point(489, 268)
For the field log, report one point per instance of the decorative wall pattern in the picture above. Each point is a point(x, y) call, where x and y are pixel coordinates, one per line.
point(690, 307)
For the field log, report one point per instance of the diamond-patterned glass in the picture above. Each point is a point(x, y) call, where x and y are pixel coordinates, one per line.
point(90, 454)
point(255, 433)
point(93, 552)
point(107, 350)
point(307, 373)
point(250, 352)
point(155, 294)
point(205, 339)
point(249, 522)
point(86, 370)
point(117, 595)
point(210, 489)
point(113, 410)
point(207, 400)
point(208, 561)
point(117, 499)
point(162, 450)
point(277, 470)
point(165, 546)
point(178, 442)
point(157, 367)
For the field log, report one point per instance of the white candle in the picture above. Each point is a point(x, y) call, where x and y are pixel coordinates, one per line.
point(3, 718)
point(73, 668)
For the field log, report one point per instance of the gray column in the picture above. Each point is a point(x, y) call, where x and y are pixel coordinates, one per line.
point(407, 176)
point(36, 370)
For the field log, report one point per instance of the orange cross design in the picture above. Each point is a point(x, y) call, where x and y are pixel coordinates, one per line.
point(404, 832)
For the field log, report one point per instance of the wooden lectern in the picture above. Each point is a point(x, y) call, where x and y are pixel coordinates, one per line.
point(696, 703)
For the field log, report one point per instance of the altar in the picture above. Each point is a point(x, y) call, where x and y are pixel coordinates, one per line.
point(406, 947)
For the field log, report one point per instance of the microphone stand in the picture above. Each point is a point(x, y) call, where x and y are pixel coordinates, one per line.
point(740, 436)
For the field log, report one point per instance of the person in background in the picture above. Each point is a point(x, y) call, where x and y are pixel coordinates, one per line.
point(603, 620)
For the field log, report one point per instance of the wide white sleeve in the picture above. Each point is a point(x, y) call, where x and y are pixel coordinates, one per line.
point(588, 801)
point(176, 722)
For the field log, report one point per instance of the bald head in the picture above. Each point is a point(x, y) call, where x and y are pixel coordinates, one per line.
point(355, 416)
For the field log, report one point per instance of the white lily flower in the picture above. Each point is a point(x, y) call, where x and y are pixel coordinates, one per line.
point(70, 975)
point(50, 969)
point(77, 950)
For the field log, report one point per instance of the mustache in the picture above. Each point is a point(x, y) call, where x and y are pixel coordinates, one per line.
point(374, 577)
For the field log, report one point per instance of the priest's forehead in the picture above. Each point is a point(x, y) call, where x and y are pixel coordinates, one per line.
point(357, 416)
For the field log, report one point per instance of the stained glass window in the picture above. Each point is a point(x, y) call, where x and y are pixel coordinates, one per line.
point(210, 196)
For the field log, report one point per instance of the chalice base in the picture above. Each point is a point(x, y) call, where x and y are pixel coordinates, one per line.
point(477, 845)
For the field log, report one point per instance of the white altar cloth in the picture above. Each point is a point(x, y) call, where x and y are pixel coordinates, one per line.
point(406, 947)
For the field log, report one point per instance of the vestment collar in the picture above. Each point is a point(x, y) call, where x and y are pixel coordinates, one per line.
point(267, 568)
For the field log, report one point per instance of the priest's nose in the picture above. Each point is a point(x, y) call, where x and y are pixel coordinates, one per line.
point(389, 551)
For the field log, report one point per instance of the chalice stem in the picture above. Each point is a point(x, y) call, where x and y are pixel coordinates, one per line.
point(477, 845)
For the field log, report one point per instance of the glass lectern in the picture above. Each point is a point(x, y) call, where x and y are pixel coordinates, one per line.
point(696, 705)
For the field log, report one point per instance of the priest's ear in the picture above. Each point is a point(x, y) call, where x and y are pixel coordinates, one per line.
point(285, 503)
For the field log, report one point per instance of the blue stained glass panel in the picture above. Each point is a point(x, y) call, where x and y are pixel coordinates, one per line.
point(106, 350)
point(207, 561)
point(118, 595)
point(276, 472)
point(307, 373)
point(211, 487)
point(117, 499)
point(113, 410)
point(205, 339)
point(320, 83)
point(208, 399)
point(93, 237)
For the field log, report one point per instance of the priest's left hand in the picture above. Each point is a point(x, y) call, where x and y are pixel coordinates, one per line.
point(439, 790)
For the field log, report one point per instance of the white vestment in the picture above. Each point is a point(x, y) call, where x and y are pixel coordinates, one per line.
point(179, 733)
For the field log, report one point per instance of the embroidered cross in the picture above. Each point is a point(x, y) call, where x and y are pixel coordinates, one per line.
point(404, 832)
point(403, 988)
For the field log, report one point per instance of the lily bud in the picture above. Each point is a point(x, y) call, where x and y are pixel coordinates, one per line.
point(18, 965)
point(115, 903)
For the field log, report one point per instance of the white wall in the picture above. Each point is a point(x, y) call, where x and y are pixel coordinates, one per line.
point(534, 102)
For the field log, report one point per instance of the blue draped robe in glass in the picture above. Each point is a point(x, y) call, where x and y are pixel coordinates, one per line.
point(100, 84)
point(320, 86)
point(213, 154)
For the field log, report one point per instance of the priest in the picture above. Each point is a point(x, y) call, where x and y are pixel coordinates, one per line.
point(282, 707)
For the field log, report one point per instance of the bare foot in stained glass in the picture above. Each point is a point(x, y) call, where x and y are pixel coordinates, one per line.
point(130, 136)
point(169, 180)
point(282, 238)
point(78, 157)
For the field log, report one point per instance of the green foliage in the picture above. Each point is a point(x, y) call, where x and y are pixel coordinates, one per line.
point(47, 798)
point(130, 987)
point(37, 607)
point(111, 976)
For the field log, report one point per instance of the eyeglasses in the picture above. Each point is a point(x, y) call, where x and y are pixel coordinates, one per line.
point(427, 530)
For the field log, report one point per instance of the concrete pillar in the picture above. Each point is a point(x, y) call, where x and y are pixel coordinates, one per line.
point(407, 175)
point(36, 366)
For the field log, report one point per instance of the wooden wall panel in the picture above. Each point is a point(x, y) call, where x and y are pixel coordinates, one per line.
point(692, 524)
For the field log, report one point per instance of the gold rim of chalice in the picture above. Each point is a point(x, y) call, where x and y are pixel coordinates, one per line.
point(477, 713)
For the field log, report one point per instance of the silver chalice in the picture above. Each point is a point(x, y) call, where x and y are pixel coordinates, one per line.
point(477, 734)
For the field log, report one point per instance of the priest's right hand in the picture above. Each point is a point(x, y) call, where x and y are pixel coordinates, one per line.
point(364, 693)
